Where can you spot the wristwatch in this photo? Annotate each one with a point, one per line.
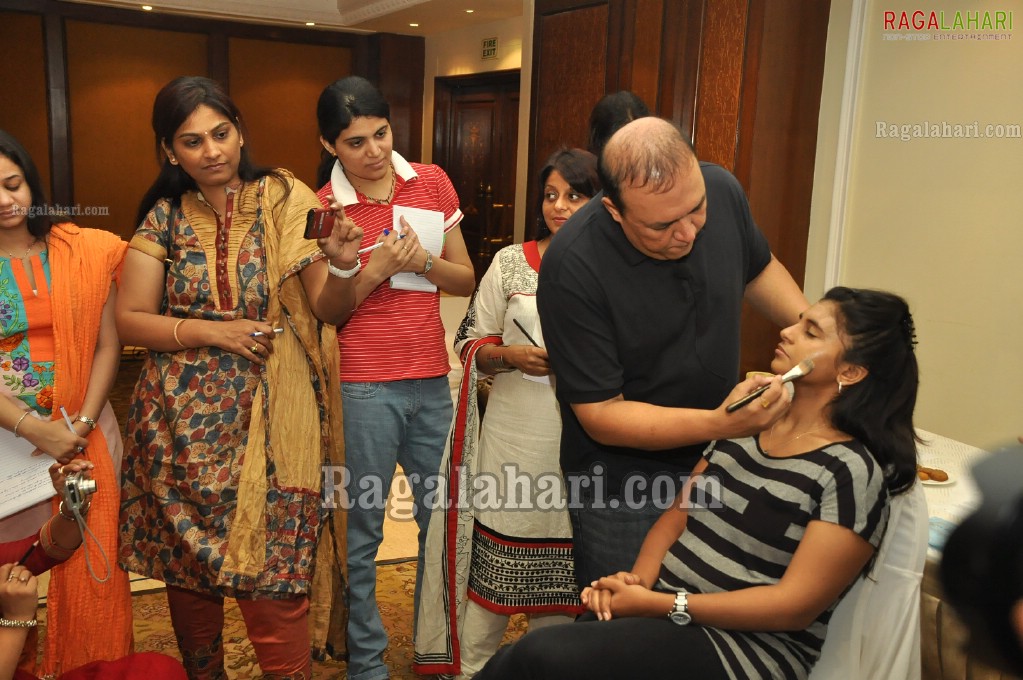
(87, 420)
(679, 614)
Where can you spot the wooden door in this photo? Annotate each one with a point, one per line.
(476, 122)
(741, 77)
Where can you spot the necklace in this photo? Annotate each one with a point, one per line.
(789, 440)
(28, 251)
(390, 194)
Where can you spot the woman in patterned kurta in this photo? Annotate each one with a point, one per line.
(232, 418)
(59, 348)
(521, 561)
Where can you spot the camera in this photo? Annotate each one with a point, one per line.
(77, 490)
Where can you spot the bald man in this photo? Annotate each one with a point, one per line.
(640, 297)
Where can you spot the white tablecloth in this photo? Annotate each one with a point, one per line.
(952, 501)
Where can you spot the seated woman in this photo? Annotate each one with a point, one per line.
(20, 562)
(793, 519)
(54, 542)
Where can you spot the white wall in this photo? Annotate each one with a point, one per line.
(935, 220)
(459, 52)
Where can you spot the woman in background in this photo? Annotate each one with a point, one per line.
(397, 401)
(611, 113)
(59, 348)
(740, 576)
(500, 562)
(232, 420)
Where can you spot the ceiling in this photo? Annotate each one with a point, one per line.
(365, 16)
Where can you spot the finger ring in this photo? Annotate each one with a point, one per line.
(23, 580)
(79, 449)
(254, 348)
(10, 578)
(765, 403)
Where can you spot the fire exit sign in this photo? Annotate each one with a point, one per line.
(490, 48)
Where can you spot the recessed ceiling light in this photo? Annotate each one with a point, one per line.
(310, 23)
(414, 25)
(148, 8)
(469, 11)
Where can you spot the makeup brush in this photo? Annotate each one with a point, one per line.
(797, 371)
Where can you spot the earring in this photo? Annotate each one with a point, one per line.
(173, 160)
(840, 387)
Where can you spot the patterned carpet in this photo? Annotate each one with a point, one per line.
(395, 583)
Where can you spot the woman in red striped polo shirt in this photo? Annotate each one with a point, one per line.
(394, 365)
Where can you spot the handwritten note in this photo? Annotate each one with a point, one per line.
(24, 479)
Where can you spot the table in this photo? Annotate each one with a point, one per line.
(943, 637)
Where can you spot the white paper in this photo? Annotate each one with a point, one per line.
(24, 478)
(429, 227)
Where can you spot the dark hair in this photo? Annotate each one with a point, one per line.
(878, 410)
(653, 153)
(579, 168)
(982, 563)
(173, 105)
(39, 221)
(340, 103)
(612, 112)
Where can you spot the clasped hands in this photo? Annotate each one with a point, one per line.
(622, 594)
(53, 437)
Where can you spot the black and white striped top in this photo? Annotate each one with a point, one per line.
(766, 505)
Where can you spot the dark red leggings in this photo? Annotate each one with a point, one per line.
(278, 630)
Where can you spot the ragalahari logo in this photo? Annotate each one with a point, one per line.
(920, 20)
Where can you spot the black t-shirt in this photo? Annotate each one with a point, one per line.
(662, 332)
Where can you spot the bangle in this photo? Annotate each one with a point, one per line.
(497, 364)
(13, 623)
(428, 265)
(50, 546)
(176, 338)
(71, 518)
(87, 420)
(18, 424)
(344, 273)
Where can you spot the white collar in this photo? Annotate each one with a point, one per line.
(344, 191)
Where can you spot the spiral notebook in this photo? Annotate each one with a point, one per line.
(24, 478)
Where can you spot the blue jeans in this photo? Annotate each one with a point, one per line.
(403, 422)
(606, 541)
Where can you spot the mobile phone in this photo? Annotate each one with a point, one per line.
(319, 223)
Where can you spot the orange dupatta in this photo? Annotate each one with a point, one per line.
(87, 620)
